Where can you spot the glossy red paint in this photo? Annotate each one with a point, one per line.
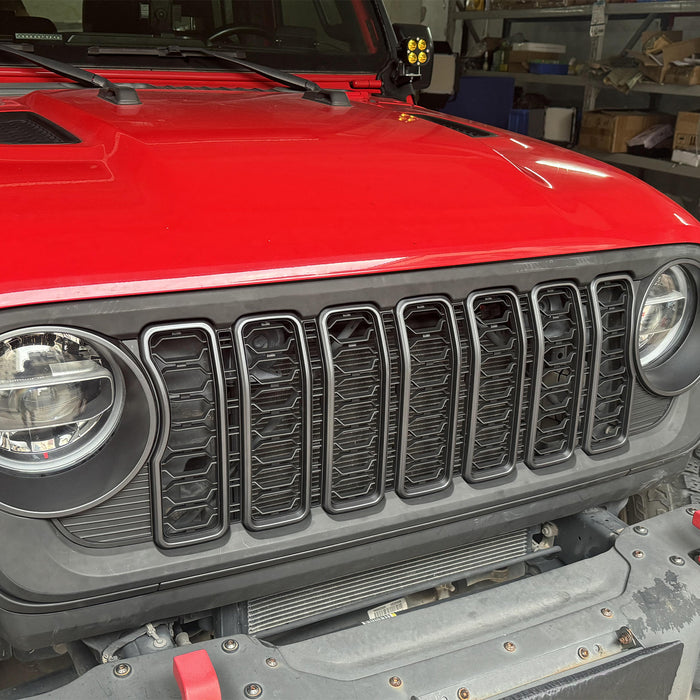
(197, 189)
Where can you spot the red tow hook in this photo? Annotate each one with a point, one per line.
(196, 676)
(696, 519)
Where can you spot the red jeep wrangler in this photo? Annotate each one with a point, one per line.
(309, 392)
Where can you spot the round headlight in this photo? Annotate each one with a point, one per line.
(60, 399)
(667, 313)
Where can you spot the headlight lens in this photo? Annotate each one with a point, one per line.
(60, 399)
(667, 313)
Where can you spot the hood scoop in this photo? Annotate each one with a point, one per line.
(455, 126)
(29, 129)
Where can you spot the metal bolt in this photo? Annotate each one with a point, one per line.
(641, 530)
(638, 554)
(272, 663)
(598, 649)
(606, 612)
(463, 694)
(678, 561)
(122, 670)
(395, 682)
(229, 645)
(583, 653)
(509, 646)
(690, 511)
(253, 690)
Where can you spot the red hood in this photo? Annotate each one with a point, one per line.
(202, 188)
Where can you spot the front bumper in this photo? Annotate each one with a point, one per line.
(551, 635)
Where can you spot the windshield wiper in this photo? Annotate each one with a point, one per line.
(311, 90)
(117, 94)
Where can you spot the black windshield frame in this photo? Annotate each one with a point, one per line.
(368, 49)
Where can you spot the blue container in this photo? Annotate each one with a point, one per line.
(518, 120)
(549, 68)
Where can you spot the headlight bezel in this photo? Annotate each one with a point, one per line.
(677, 368)
(106, 467)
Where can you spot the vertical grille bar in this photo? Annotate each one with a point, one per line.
(431, 364)
(190, 468)
(559, 351)
(356, 362)
(499, 350)
(612, 378)
(275, 393)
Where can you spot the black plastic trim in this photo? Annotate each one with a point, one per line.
(223, 490)
(597, 327)
(401, 487)
(539, 343)
(377, 495)
(248, 517)
(470, 474)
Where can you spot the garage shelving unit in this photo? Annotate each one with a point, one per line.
(645, 12)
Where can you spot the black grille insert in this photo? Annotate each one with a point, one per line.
(559, 350)
(191, 463)
(497, 384)
(357, 403)
(276, 419)
(612, 375)
(431, 364)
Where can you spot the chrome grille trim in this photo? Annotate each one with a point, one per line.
(354, 473)
(266, 430)
(204, 458)
(422, 428)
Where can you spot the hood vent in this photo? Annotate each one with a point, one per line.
(28, 129)
(455, 126)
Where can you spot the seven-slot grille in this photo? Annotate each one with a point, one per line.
(331, 411)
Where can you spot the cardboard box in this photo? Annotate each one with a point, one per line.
(687, 134)
(663, 67)
(609, 130)
(519, 61)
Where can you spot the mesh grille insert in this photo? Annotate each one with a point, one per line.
(559, 347)
(357, 403)
(276, 438)
(191, 462)
(28, 129)
(499, 354)
(431, 371)
(611, 376)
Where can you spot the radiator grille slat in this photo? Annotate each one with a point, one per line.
(191, 463)
(276, 418)
(612, 376)
(431, 358)
(357, 402)
(497, 380)
(326, 599)
(559, 347)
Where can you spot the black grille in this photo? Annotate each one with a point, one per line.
(276, 416)
(191, 464)
(611, 373)
(357, 404)
(559, 348)
(499, 354)
(431, 357)
(26, 128)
